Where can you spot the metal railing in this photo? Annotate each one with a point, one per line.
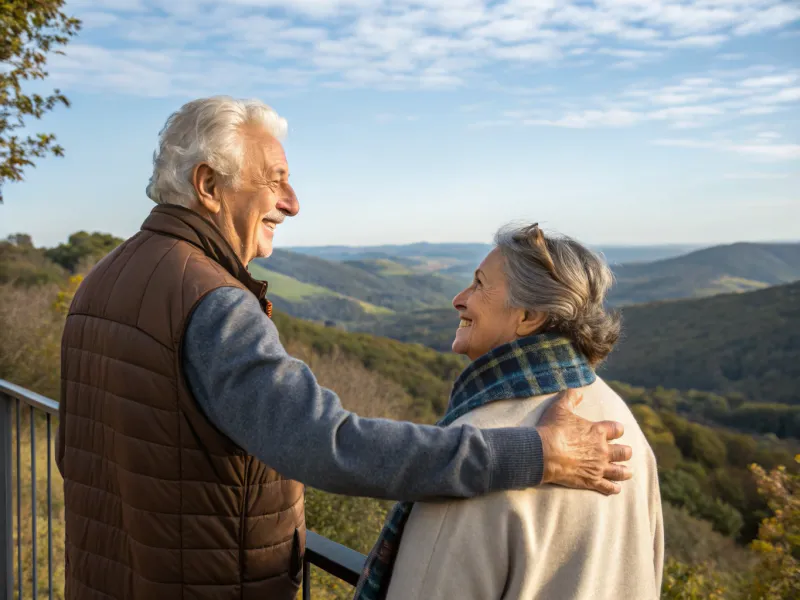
(338, 560)
(15, 397)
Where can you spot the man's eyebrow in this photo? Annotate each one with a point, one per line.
(478, 271)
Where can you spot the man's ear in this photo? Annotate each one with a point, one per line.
(530, 322)
(206, 187)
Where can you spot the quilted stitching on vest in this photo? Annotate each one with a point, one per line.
(159, 504)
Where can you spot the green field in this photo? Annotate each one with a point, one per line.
(372, 309)
(390, 267)
(292, 290)
(287, 287)
(730, 285)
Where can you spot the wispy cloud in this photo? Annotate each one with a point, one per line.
(732, 56)
(392, 117)
(687, 102)
(590, 118)
(756, 175)
(402, 44)
(491, 123)
(754, 149)
(769, 81)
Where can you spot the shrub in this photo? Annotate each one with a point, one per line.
(777, 576)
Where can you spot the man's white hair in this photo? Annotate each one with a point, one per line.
(207, 130)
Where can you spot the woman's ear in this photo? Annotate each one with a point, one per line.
(205, 183)
(530, 322)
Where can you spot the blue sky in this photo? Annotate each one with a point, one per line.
(617, 121)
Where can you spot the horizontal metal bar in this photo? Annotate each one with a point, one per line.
(28, 397)
(340, 561)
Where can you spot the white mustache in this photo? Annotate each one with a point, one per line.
(275, 216)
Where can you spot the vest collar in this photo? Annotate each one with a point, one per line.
(186, 225)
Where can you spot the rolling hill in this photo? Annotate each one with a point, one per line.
(309, 301)
(433, 327)
(388, 283)
(747, 343)
(717, 270)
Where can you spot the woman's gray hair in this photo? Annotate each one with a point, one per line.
(559, 277)
(207, 130)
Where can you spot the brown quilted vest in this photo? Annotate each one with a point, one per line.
(159, 503)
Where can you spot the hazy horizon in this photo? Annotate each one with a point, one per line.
(675, 245)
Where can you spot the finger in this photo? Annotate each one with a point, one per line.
(570, 399)
(617, 473)
(612, 429)
(608, 488)
(619, 453)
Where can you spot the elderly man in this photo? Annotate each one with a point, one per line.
(186, 431)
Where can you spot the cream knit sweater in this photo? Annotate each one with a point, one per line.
(548, 542)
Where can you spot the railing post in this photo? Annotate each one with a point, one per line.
(49, 513)
(306, 579)
(6, 502)
(34, 511)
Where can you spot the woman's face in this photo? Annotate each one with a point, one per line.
(486, 319)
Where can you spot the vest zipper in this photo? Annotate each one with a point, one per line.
(243, 523)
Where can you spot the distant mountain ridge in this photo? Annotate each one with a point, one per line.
(719, 269)
(477, 250)
(460, 259)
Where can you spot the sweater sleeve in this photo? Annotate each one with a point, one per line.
(271, 405)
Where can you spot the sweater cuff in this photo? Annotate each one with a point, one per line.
(517, 458)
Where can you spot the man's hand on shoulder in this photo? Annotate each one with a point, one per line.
(576, 451)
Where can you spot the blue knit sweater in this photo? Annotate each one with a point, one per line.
(272, 406)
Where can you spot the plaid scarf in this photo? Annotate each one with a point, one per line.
(532, 366)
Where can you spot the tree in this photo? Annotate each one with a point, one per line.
(24, 265)
(29, 31)
(681, 488)
(691, 582)
(778, 544)
(82, 250)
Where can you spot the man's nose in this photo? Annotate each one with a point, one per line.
(288, 204)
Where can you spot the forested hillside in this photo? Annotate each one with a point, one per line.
(747, 343)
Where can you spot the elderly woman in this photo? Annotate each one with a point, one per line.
(532, 323)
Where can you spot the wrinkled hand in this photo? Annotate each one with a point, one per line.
(576, 451)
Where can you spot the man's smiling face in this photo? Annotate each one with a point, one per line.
(263, 197)
(248, 209)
